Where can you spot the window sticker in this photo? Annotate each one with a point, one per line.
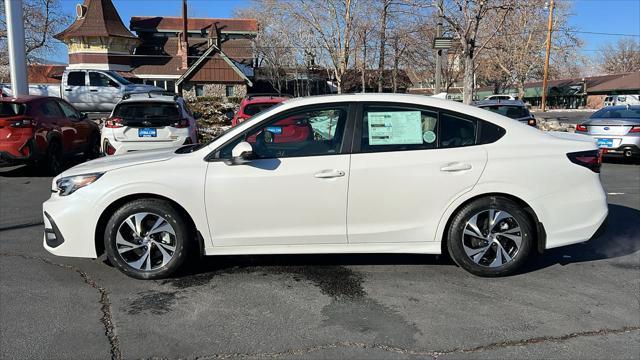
(274, 129)
(429, 137)
(395, 128)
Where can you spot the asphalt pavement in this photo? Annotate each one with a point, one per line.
(581, 301)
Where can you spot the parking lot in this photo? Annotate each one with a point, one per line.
(581, 301)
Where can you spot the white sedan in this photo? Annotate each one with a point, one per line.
(370, 173)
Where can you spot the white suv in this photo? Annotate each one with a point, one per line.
(145, 121)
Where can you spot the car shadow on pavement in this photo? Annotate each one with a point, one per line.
(621, 237)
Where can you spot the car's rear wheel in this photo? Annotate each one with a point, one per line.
(147, 239)
(490, 236)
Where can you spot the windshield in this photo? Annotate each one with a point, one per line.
(12, 109)
(617, 112)
(513, 112)
(119, 78)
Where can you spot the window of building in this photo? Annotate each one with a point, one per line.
(199, 90)
(230, 90)
(171, 86)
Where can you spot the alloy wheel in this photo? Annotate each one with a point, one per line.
(146, 241)
(492, 238)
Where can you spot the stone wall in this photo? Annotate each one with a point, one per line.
(213, 90)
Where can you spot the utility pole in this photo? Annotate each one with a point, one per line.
(545, 77)
(17, 57)
(438, 84)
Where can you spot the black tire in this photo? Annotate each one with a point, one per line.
(182, 241)
(93, 147)
(488, 260)
(53, 163)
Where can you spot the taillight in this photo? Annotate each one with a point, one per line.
(580, 127)
(532, 122)
(114, 122)
(108, 149)
(182, 123)
(23, 123)
(635, 129)
(591, 159)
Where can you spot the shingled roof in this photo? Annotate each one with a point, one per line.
(96, 18)
(174, 23)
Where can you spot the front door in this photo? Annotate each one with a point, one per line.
(103, 90)
(293, 193)
(412, 163)
(76, 90)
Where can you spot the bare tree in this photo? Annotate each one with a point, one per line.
(465, 18)
(621, 57)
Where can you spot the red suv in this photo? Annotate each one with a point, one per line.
(256, 103)
(45, 131)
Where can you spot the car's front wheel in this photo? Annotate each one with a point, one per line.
(490, 236)
(147, 239)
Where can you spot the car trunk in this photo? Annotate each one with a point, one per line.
(147, 121)
(609, 127)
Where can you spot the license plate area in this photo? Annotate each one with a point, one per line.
(605, 143)
(147, 132)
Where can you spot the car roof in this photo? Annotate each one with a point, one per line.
(498, 102)
(24, 98)
(621, 107)
(150, 97)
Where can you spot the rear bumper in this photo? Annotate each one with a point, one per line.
(179, 137)
(18, 152)
(622, 144)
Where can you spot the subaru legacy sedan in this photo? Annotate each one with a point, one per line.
(367, 173)
(616, 130)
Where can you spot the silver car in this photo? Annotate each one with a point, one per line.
(616, 130)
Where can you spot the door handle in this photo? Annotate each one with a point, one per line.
(456, 166)
(328, 174)
(67, 89)
(93, 90)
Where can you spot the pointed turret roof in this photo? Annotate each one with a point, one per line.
(96, 18)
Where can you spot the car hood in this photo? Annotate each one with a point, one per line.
(108, 163)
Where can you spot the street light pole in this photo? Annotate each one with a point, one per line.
(438, 84)
(17, 58)
(545, 77)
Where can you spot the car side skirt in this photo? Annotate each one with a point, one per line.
(427, 247)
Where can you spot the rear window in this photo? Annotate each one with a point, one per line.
(253, 109)
(147, 111)
(631, 113)
(12, 109)
(513, 112)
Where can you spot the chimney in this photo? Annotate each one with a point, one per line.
(183, 42)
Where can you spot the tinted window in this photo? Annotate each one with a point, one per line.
(68, 111)
(513, 112)
(622, 112)
(253, 109)
(49, 109)
(490, 132)
(152, 112)
(76, 78)
(98, 79)
(456, 131)
(394, 128)
(302, 133)
(12, 109)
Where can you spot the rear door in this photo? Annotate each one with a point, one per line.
(411, 163)
(76, 90)
(148, 121)
(104, 91)
(82, 129)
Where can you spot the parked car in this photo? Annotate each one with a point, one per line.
(255, 103)
(89, 90)
(616, 130)
(514, 109)
(146, 121)
(501, 97)
(44, 131)
(383, 173)
(631, 99)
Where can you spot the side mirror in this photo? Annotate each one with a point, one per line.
(230, 114)
(197, 115)
(83, 116)
(241, 154)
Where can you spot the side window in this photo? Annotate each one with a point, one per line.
(100, 79)
(49, 109)
(69, 111)
(76, 78)
(490, 133)
(456, 131)
(303, 133)
(396, 128)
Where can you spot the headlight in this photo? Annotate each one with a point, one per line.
(68, 185)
